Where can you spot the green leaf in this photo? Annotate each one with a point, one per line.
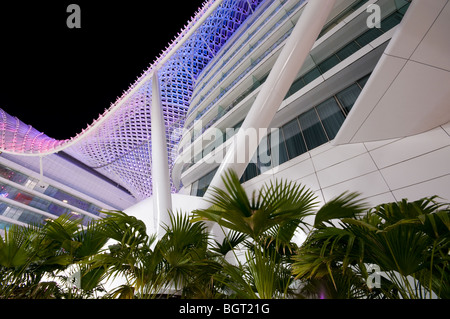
(62, 260)
(13, 248)
(277, 203)
(399, 223)
(346, 205)
(359, 223)
(70, 246)
(231, 240)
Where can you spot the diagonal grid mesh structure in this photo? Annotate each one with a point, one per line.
(118, 143)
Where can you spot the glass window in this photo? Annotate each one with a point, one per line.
(358, 4)
(348, 97)
(39, 203)
(230, 131)
(403, 5)
(293, 138)
(368, 36)
(250, 171)
(4, 225)
(50, 191)
(331, 116)
(363, 81)
(203, 183)
(329, 63)
(297, 85)
(56, 209)
(348, 50)
(208, 149)
(12, 175)
(2, 208)
(264, 156)
(8, 191)
(198, 157)
(278, 150)
(391, 21)
(311, 75)
(23, 198)
(312, 129)
(194, 188)
(186, 166)
(31, 218)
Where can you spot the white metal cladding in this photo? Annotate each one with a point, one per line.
(118, 143)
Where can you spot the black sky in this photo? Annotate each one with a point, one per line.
(58, 79)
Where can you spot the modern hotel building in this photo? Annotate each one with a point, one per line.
(339, 95)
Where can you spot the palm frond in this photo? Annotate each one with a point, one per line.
(346, 205)
(277, 203)
(230, 242)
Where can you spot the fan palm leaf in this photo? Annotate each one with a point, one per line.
(409, 241)
(276, 204)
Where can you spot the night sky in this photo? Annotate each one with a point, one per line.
(58, 79)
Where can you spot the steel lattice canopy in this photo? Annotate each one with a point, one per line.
(118, 142)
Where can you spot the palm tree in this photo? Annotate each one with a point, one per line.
(279, 208)
(407, 241)
(188, 264)
(29, 255)
(127, 256)
(177, 264)
(266, 223)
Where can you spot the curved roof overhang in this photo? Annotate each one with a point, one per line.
(118, 143)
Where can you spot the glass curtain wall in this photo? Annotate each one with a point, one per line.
(307, 131)
(27, 198)
(350, 48)
(328, 63)
(314, 127)
(321, 123)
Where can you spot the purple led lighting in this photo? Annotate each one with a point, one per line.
(19, 138)
(118, 142)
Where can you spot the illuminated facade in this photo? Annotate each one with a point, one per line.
(27, 200)
(29, 197)
(331, 121)
(118, 143)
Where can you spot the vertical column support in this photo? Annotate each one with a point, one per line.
(274, 89)
(41, 169)
(162, 199)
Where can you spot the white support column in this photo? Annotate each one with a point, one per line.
(274, 89)
(162, 199)
(41, 169)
